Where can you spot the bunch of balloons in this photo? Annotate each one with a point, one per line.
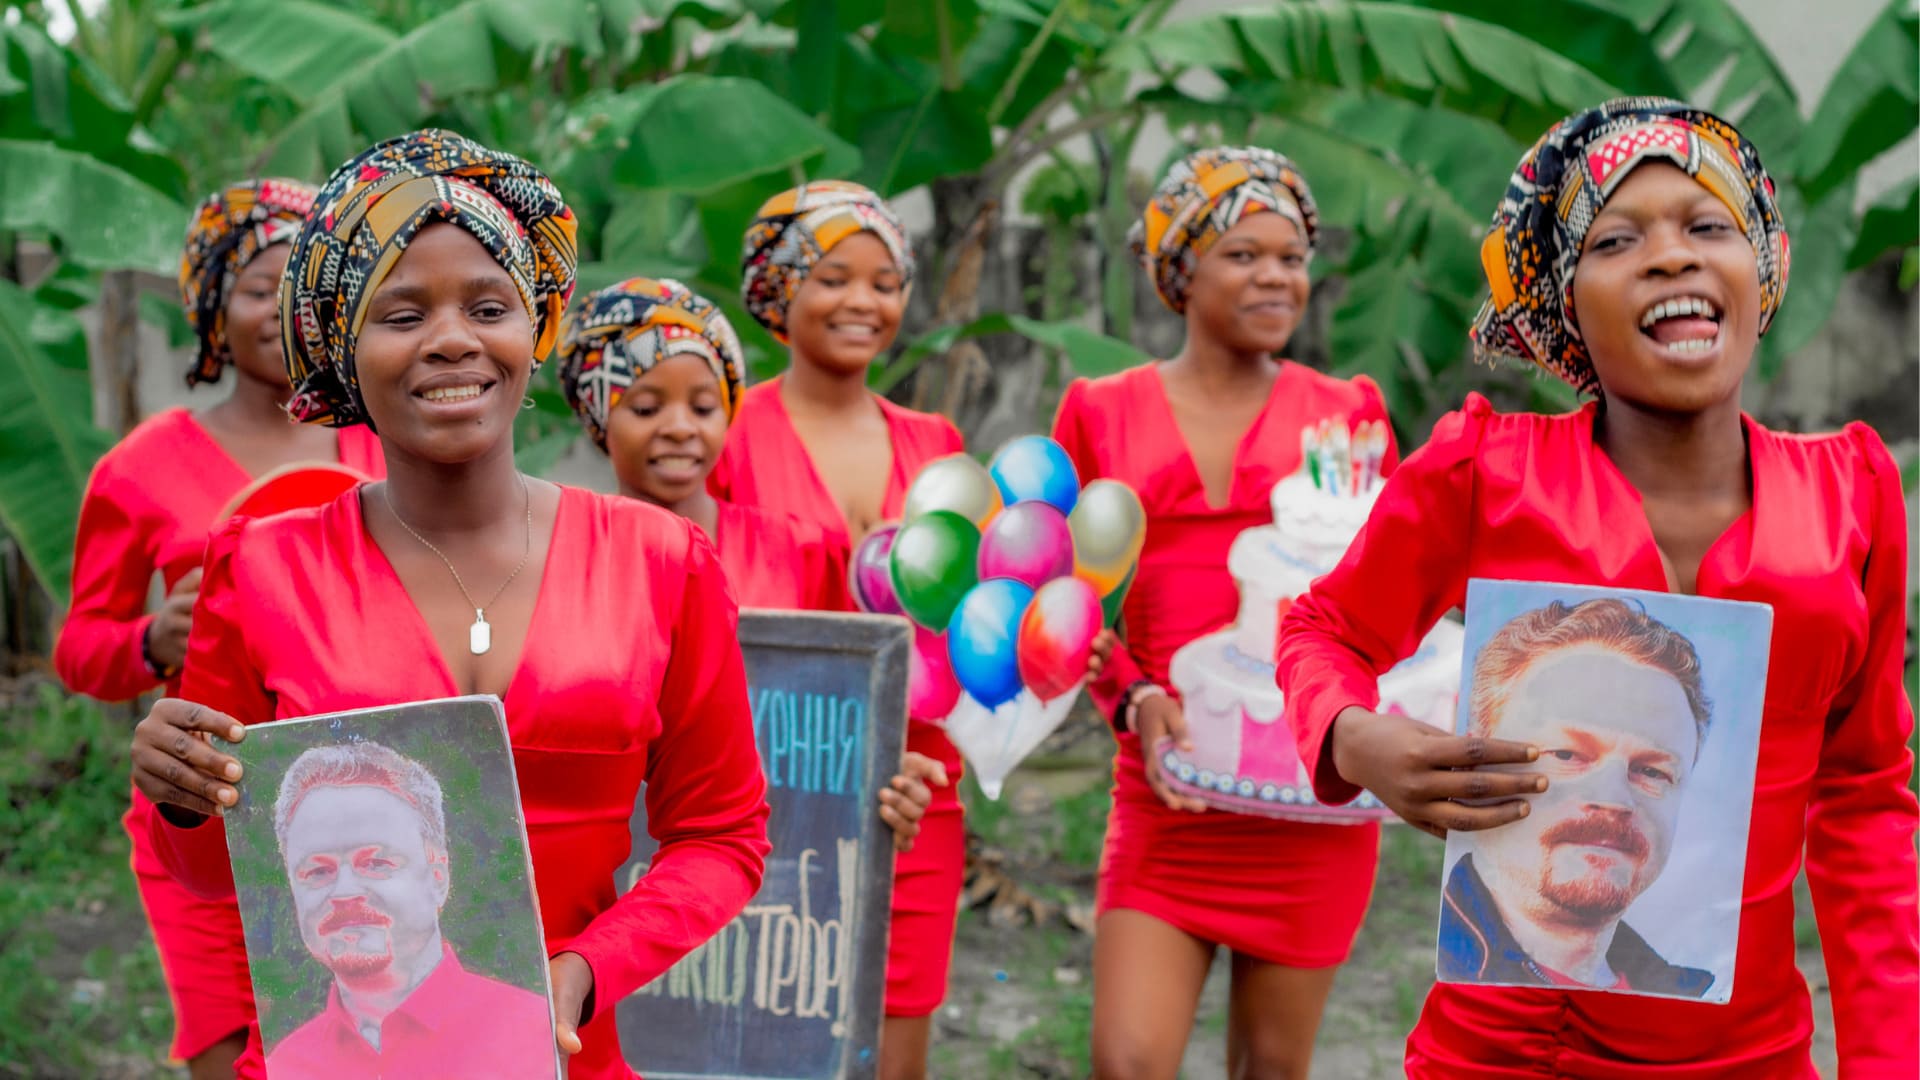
(1008, 571)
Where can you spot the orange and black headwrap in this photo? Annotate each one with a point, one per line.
(229, 228)
(1533, 249)
(367, 213)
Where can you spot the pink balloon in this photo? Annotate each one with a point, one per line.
(867, 575)
(932, 691)
(1056, 636)
(1029, 542)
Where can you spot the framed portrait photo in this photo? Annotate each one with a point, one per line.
(1625, 876)
(380, 860)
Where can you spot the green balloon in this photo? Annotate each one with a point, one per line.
(1110, 603)
(933, 564)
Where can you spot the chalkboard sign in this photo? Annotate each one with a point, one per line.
(792, 988)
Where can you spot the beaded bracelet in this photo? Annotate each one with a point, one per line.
(1126, 717)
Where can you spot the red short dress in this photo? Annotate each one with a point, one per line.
(148, 507)
(1285, 892)
(1532, 498)
(765, 465)
(631, 672)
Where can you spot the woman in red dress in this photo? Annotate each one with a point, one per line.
(149, 505)
(1203, 438)
(654, 372)
(827, 267)
(1660, 483)
(421, 294)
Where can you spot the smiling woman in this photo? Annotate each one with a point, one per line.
(1204, 437)
(826, 267)
(132, 528)
(421, 295)
(1639, 255)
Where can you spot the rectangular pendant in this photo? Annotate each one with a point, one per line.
(479, 635)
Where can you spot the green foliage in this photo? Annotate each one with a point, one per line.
(46, 441)
(668, 121)
(77, 994)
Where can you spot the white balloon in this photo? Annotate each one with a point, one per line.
(995, 740)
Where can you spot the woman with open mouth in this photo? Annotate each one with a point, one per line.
(1639, 255)
(654, 372)
(421, 295)
(132, 527)
(1203, 438)
(826, 268)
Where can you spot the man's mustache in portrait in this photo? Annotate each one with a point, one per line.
(1587, 898)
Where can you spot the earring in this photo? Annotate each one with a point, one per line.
(526, 403)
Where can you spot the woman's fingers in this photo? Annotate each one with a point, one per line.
(1475, 785)
(167, 781)
(1457, 817)
(921, 767)
(173, 761)
(1466, 751)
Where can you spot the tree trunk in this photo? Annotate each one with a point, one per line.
(116, 361)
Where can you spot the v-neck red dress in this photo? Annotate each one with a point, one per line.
(1286, 892)
(149, 504)
(631, 672)
(766, 466)
(1532, 498)
(776, 560)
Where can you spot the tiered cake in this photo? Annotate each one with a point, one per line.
(1244, 756)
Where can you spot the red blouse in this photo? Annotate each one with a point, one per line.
(1529, 497)
(777, 560)
(632, 672)
(1121, 427)
(149, 505)
(766, 466)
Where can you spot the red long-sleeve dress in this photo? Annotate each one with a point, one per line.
(765, 465)
(779, 561)
(1529, 497)
(631, 672)
(1286, 892)
(148, 507)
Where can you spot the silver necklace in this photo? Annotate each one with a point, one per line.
(480, 634)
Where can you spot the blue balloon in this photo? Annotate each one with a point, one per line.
(983, 638)
(1035, 467)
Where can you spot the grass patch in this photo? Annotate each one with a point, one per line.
(80, 984)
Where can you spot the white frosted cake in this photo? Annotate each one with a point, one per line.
(1244, 755)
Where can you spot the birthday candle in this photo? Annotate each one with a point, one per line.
(1376, 452)
(1323, 438)
(1343, 460)
(1309, 455)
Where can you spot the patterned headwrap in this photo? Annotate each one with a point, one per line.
(367, 213)
(622, 331)
(795, 228)
(228, 230)
(1534, 247)
(1205, 194)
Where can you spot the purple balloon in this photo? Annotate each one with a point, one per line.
(869, 579)
(1029, 542)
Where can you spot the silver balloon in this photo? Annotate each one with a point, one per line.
(1109, 528)
(957, 483)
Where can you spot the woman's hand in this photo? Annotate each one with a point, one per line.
(1156, 716)
(904, 801)
(572, 980)
(1433, 780)
(167, 633)
(174, 764)
(1103, 645)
